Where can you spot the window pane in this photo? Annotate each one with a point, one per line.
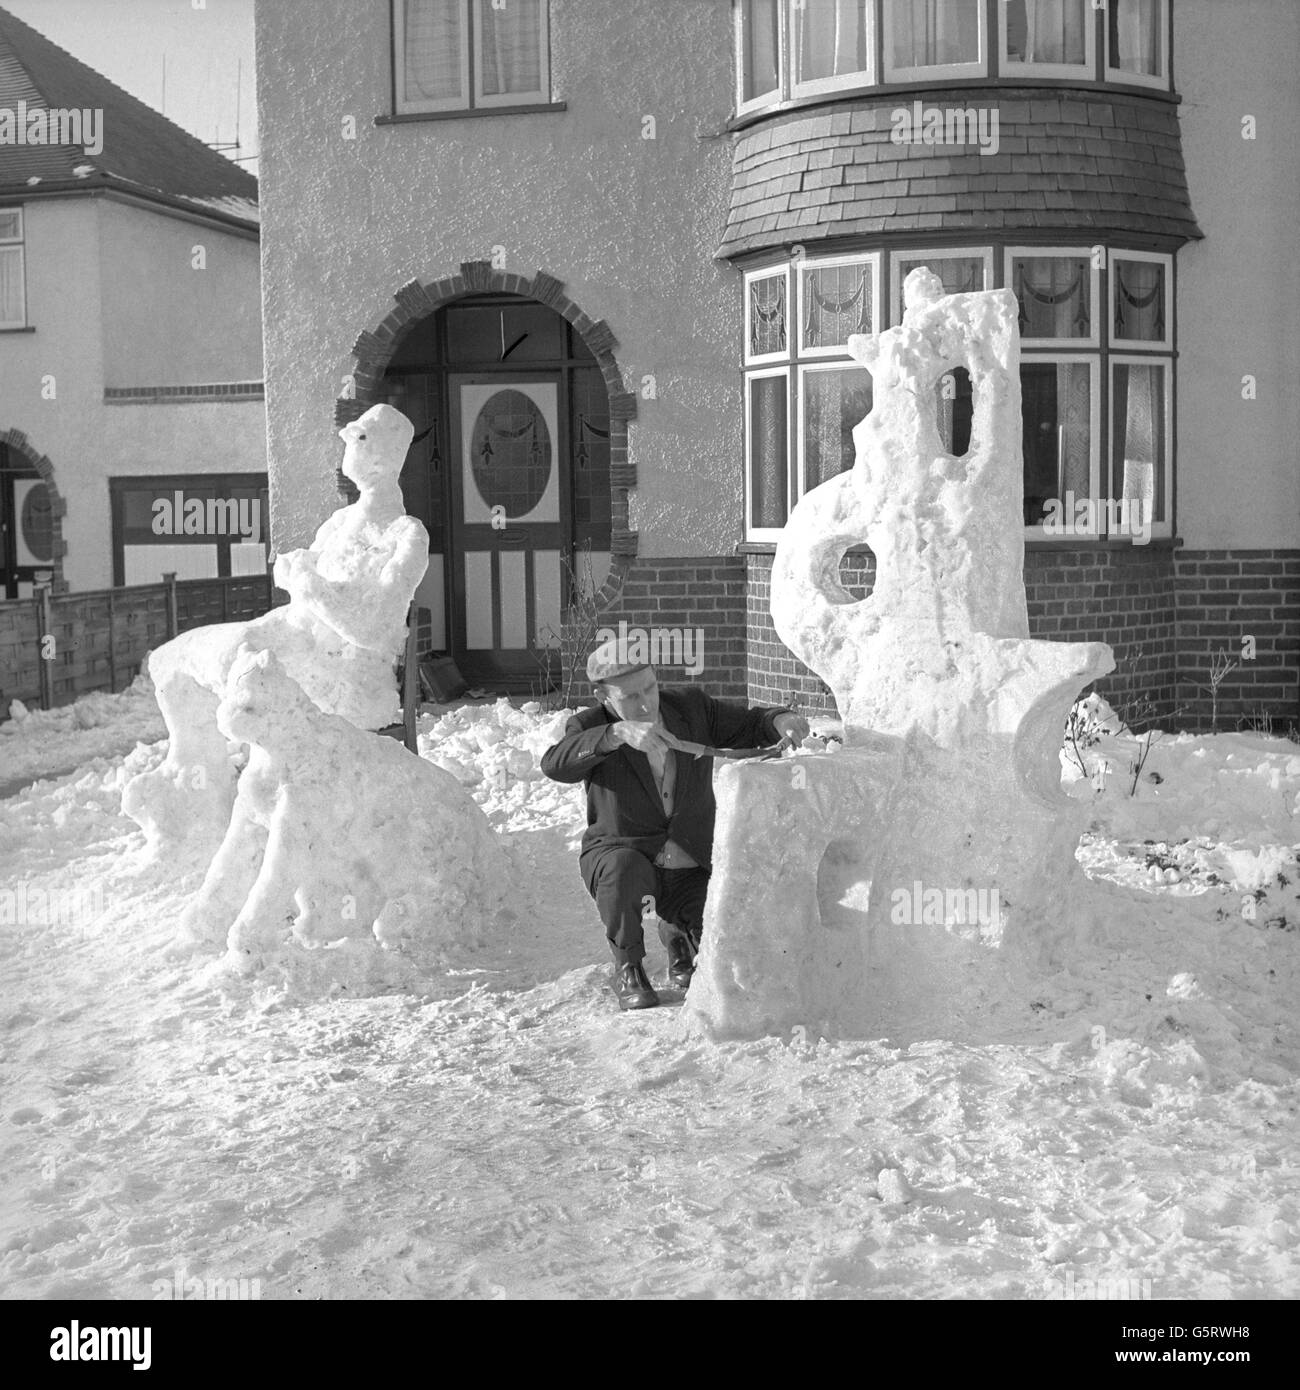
(954, 407)
(960, 274)
(10, 224)
(432, 42)
(769, 451)
(1046, 31)
(1135, 36)
(830, 38)
(1140, 300)
(760, 41)
(833, 403)
(767, 315)
(928, 33)
(11, 284)
(1053, 292)
(1056, 408)
(590, 433)
(1138, 435)
(836, 303)
(510, 48)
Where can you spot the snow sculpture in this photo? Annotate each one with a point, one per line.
(347, 861)
(338, 637)
(901, 885)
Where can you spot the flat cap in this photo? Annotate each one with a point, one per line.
(609, 661)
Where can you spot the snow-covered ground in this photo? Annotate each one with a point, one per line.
(510, 1134)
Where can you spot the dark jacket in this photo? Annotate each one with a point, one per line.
(624, 808)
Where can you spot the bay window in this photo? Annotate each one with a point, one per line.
(798, 48)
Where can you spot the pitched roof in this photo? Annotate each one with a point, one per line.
(1104, 163)
(143, 152)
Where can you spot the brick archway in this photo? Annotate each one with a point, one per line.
(374, 349)
(19, 444)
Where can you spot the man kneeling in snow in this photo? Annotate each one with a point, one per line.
(650, 809)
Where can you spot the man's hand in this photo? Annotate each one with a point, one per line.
(645, 738)
(792, 726)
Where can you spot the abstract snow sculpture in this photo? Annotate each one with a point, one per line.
(338, 637)
(905, 883)
(347, 861)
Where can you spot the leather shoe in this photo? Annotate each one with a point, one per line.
(634, 990)
(681, 956)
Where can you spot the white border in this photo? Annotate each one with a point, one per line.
(940, 72)
(871, 259)
(863, 77)
(1093, 363)
(938, 253)
(1162, 528)
(1049, 252)
(535, 98)
(1165, 344)
(765, 533)
(1137, 79)
(1085, 71)
(401, 105)
(761, 274)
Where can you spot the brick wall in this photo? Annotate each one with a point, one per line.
(1164, 613)
(696, 592)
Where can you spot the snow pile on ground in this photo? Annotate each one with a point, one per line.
(506, 1132)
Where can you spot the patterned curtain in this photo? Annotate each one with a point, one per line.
(837, 303)
(1053, 293)
(830, 38)
(510, 42)
(769, 473)
(1139, 300)
(1074, 427)
(432, 42)
(1139, 420)
(767, 315)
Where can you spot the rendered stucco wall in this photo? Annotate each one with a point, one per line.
(166, 323)
(1238, 460)
(628, 224)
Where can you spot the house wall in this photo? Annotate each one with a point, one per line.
(628, 224)
(166, 323)
(1238, 479)
(86, 263)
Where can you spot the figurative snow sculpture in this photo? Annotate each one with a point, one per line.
(338, 637)
(903, 883)
(347, 861)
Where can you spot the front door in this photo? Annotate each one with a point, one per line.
(507, 529)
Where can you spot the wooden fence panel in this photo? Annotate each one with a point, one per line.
(20, 655)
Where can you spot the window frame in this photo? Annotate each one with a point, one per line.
(767, 273)
(1093, 362)
(1162, 81)
(18, 245)
(753, 532)
(820, 86)
(1139, 345)
(472, 98)
(797, 352)
(1013, 253)
(939, 253)
(1085, 71)
(801, 370)
(774, 95)
(938, 72)
(1160, 530)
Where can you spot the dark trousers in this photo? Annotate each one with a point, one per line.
(626, 884)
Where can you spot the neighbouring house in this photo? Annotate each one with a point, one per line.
(132, 412)
(608, 257)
